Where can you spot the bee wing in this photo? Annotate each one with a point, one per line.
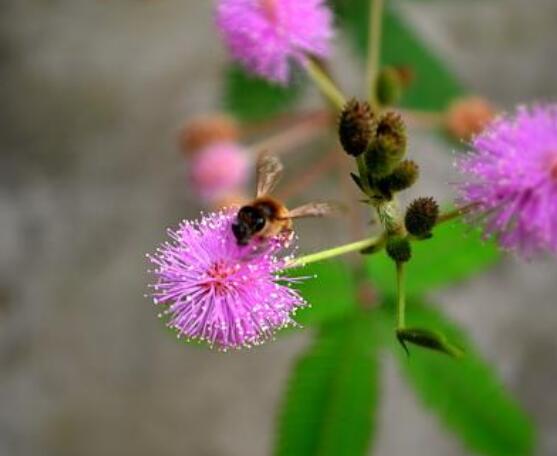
(316, 209)
(269, 171)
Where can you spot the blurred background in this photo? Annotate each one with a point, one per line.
(93, 94)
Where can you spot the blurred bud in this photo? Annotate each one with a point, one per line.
(406, 75)
(404, 176)
(398, 248)
(467, 117)
(427, 339)
(389, 146)
(218, 170)
(388, 86)
(230, 200)
(367, 296)
(356, 128)
(202, 131)
(421, 216)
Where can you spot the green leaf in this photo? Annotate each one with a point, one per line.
(466, 393)
(331, 398)
(434, 84)
(252, 98)
(329, 290)
(454, 253)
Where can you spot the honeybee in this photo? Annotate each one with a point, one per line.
(266, 216)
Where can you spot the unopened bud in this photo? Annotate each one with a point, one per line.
(389, 146)
(229, 200)
(357, 126)
(421, 216)
(406, 75)
(398, 248)
(427, 339)
(404, 176)
(388, 86)
(467, 117)
(203, 131)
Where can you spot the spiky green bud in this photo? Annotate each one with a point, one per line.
(357, 125)
(389, 146)
(404, 176)
(421, 216)
(398, 248)
(388, 86)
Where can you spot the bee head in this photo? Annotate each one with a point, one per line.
(249, 221)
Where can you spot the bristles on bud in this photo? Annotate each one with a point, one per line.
(389, 146)
(357, 125)
(421, 216)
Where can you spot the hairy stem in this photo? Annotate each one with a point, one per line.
(455, 213)
(377, 241)
(325, 84)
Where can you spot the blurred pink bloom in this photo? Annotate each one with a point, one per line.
(216, 291)
(513, 179)
(219, 170)
(266, 36)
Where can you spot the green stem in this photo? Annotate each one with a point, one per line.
(401, 303)
(325, 84)
(337, 251)
(374, 49)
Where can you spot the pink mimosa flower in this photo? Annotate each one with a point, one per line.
(512, 179)
(266, 36)
(216, 291)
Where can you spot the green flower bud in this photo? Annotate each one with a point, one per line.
(389, 146)
(357, 125)
(427, 339)
(398, 248)
(421, 217)
(404, 176)
(388, 86)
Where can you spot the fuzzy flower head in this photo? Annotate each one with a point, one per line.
(266, 36)
(219, 169)
(513, 179)
(216, 291)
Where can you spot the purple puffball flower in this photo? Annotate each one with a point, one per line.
(219, 169)
(216, 291)
(266, 36)
(512, 174)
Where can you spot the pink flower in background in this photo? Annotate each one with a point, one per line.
(217, 291)
(513, 179)
(267, 35)
(219, 169)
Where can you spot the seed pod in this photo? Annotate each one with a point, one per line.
(398, 248)
(389, 146)
(421, 216)
(357, 125)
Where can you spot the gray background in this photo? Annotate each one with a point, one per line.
(92, 94)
